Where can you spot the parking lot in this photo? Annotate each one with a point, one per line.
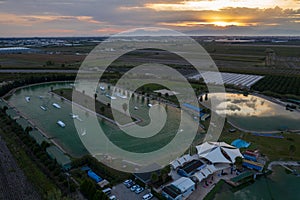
(124, 193)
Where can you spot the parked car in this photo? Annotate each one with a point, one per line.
(147, 196)
(133, 188)
(107, 191)
(127, 181)
(139, 190)
(130, 184)
(113, 197)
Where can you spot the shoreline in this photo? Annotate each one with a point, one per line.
(283, 163)
(34, 126)
(271, 99)
(263, 132)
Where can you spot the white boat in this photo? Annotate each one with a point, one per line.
(43, 108)
(83, 132)
(56, 105)
(61, 124)
(102, 88)
(121, 96)
(136, 108)
(111, 97)
(27, 99)
(75, 117)
(150, 105)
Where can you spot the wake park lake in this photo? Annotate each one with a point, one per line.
(69, 139)
(255, 114)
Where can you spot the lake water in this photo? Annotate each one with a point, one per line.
(254, 113)
(71, 140)
(277, 186)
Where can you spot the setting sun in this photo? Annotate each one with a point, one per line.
(220, 4)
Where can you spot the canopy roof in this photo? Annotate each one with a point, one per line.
(218, 152)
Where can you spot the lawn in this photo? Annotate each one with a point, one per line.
(273, 148)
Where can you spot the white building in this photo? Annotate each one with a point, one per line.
(179, 189)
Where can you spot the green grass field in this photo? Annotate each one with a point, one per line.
(273, 148)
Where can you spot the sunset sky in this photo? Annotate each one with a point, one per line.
(104, 17)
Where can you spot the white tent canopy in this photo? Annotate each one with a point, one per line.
(212, 151)
(233, 153)
(205, 147)
(215, 156)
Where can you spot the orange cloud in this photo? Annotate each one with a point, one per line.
(109, 30)
(192, 5)
(28, 20)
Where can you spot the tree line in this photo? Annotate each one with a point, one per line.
(36, 152)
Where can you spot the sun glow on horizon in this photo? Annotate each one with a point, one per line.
(221, 4)
(216, 23)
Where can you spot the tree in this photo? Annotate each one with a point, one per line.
(154, 177)
(49, 62)
(206, 96)
(165, 173)
(28, 129)
(102, 109)
(159, 94)
(125, 107)
(167, 95)
(201, 99)
(95, 95)
(238, 162)
(292, 149)
(98, 195)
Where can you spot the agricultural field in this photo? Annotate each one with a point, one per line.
(237, 58)
(279, 84)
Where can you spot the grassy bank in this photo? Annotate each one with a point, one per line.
(273, 148)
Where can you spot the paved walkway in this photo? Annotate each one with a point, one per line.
(284, 163)
(202, 190)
